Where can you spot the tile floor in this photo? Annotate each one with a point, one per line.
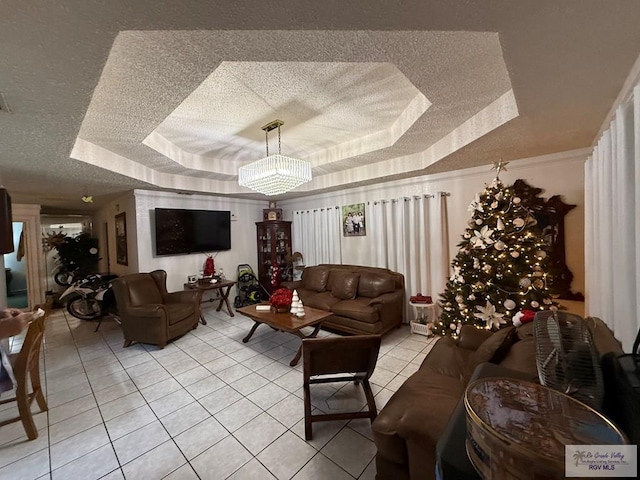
(206, 406)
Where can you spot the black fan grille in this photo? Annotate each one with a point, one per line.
(566, 358)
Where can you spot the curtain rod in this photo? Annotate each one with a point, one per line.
(376, 202)
(414, 197)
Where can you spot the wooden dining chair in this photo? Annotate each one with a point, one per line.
(26, 369)
(339, 359)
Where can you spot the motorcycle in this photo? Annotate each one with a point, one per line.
(91, 297)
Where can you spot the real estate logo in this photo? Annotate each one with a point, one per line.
(611, 461)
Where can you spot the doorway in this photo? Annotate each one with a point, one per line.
(15, 269)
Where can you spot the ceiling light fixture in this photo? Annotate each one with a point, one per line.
(274, 174)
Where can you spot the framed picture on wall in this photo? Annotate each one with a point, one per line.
(353, 220)
(121, 239)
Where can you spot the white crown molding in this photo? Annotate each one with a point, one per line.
(426, 181)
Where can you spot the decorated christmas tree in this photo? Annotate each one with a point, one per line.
(501, 268)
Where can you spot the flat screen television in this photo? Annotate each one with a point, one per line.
(190, 231)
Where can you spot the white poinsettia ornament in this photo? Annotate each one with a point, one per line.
(457, 277)
(481, 238)
(489, 315)
(476, 204)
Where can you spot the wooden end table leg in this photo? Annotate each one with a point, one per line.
(251, 332)
(202, 320)
(225, 298)
(313, 334)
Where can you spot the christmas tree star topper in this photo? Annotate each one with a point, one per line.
(499, 166)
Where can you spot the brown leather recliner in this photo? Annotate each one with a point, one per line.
(150, 314)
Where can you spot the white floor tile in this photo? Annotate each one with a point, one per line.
(140, 442)
(199, 438)
(220, 364)
(170, 403)
(249, 383)
(268, 396)
(115, 391)
(74, 425)
(236, 415)
(184, 418)
(156, 463)
(351, 451)
(160, 389)
(220, 399)
(321, 467)
(129, 422)
(288, 411)
(252, 470)
(204, 387)
(284, 457)
(185, 472)
(32, 466)
(221, 460)
(259, 433)
(64, 396)
(192, 376)
(231, 374)
(89, 467)
(121, 405)
(72, 408)
(77, 446)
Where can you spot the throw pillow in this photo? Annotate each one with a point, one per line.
(494, 348)
(345, 285)
(315, 278)
(375, 284)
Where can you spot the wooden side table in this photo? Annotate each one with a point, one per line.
(418, 325)
(219, 287)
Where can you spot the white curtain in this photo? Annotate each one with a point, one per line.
(316, 234)
(612, 229)
(411, 237)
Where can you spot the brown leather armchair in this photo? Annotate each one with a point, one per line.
(150, 314)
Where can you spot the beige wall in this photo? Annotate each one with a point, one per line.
(557, 174)
(139, 206)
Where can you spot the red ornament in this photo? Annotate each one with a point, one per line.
(209, 267)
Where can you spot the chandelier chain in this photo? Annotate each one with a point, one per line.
(266, 140)
(279, 145)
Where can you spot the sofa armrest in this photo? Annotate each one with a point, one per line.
(391, 297)
(389, 306)
(186, 296)
(292, 285)
(408, 427)
(151, 311)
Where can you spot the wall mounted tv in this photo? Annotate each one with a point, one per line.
(191, 231)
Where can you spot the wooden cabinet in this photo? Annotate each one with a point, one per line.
(274, 246)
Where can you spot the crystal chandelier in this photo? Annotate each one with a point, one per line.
(274, 174)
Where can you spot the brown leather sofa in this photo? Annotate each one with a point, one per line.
(409, 426)
(363, 300)
(149, 314)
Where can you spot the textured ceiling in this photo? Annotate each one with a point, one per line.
(148, 95)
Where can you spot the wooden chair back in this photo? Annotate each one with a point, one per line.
(339, 359)
(26, 369)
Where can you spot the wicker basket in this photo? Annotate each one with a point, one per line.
(421, 329)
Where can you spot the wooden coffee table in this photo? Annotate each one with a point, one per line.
(285, 322)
